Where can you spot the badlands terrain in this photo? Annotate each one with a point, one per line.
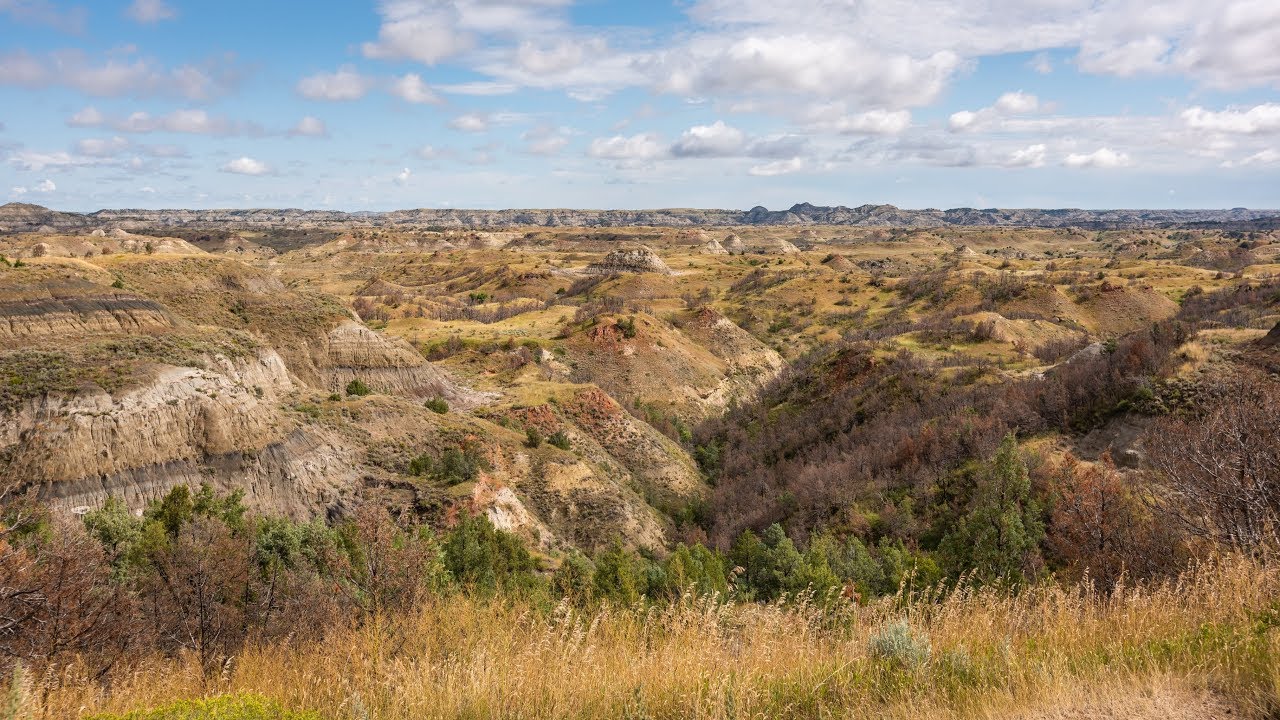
(136, 360)
(605, 385)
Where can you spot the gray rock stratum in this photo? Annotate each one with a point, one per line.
(20, 217)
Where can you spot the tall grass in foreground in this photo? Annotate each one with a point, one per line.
(973, 653)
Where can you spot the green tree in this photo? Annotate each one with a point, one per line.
(485, 559)
(999, 537)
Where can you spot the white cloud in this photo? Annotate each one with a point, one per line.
(403, 176)
(1017, 103)
(715, 140)
(45, 186)
(426, 32)
(310, 127)
(1267, 156)
(1007, 105)
(345, 84)
(1100, 158)
(102, 147)
(471, 122)
(482, 89)
(831, 66)
(777, 167)
(412, 89)
(1031, 156)
(545, 140)
(646, 146)
(962, 120)
(33, 161)
(1041, 63)
(43, 12)
(150, 11)
(1263, 118)
(88, 117)
(246, 166)
(119, 75)
(874, 122)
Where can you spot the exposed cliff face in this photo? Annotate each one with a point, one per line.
(221, 424)
(386, 365)
(26, 320)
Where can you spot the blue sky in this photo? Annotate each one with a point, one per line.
(607, 104)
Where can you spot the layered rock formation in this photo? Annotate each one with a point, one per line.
(635, 260)
(16, 217)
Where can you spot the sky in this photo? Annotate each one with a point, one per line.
(388, 104)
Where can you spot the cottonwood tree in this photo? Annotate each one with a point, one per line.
(57, 601)
(1101, 528)
(1219, 472)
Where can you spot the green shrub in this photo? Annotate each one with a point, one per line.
(484, 559)
(455, 466)
(559, 439)
(437, 405)
(532, 438)
(627, 326)
(897, 643)
(226, 707)
(118, 283)
(358, 388)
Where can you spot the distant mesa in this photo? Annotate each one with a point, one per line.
(27, 218)
(635, 260)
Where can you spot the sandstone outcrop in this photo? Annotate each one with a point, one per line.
(635, 260)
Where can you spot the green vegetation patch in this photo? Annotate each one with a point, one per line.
(111, 365)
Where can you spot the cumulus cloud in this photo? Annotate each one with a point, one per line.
(428, 31)
(402, 177)
(1031, 156)
(1267, 156)
(646, 146)
(43, 12)
(102, 147)
(45, 186)
(807, 65)
(118, 75)
(874, 122)
(425, 32)
(246, 166)
(545, 140)
(1263, 118)
(1100, 158)
(34, 161)
(1007, 105)
(186, 121)
(343, 85)
(777, 167)
(88, 117)
(715, 140)
(150, 11)
(309, 127)
(412, 89)
(470, 122)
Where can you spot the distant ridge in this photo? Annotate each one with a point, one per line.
(22, 217)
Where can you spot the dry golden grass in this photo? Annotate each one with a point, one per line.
(1205, 646)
